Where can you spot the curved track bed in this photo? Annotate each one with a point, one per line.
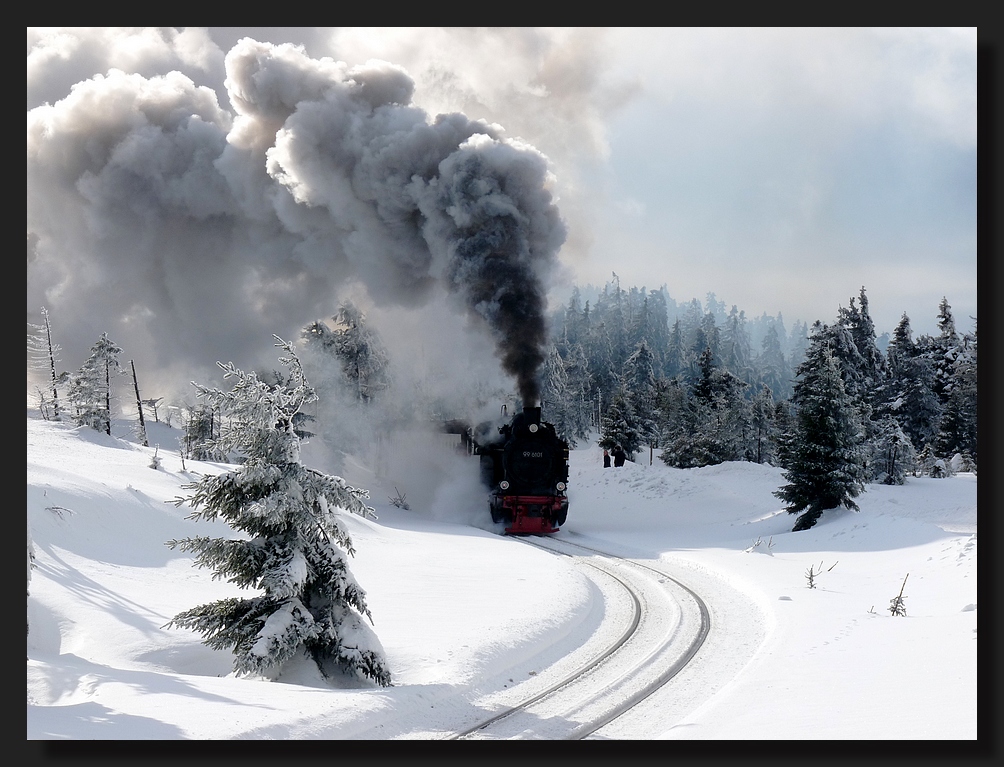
(662, 625)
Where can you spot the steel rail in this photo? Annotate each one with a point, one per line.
(636, 614)
(695, 645)
(632, 700)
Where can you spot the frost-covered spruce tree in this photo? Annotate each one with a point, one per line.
(296, 548)
(823, 457)
(619, 425)
(908, 389)
(893, 454)
(763, 426)
(357, 347)
(578, 408)
(200, 426)
(957, 431)
(640, 387)
(558, 399)
(90, 390)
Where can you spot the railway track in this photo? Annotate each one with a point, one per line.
(664, 625)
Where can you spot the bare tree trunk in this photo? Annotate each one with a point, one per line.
(108, 399)
(139, 406)
(52, 367)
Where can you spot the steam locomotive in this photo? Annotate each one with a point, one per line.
(524, 466)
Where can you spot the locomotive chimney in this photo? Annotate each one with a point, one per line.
(532, 413)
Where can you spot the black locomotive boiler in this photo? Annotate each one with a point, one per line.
(524, 466)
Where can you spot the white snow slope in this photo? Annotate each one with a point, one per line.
(460, 609)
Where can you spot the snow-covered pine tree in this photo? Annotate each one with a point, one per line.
(674, 410)
(619, 425)
(676, 354)
(580, 405)
(685, 443)
(771, 366)
(823, 458)
(655, 328)
(930, 464)
(893, 455)
(640, 387)
(711, 335)
(942, 351)
(555, 396)
(564, 394)
(351, 366)
(710, 424)
(763, 426)
(691, 325)
(201, 424)
(736, 354)
(864, 370)
(907, 392)
(90, 387)
(724, 424)
(296, 548)
(958, 427)
(357, 347)
(574, 323)
(870, 362)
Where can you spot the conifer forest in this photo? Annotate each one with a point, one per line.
(695, 385)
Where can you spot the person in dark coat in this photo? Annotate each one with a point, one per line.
(619, 456)
(606, 458)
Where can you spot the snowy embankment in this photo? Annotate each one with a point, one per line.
(461, 610)
(835, 663)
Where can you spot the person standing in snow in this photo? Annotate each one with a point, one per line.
(606, 458)
(619, 455)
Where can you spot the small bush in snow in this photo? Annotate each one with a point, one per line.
(897, 604)
(758, 542)
(811, 574)
(399, 500)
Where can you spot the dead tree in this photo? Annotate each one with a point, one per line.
(139, 406)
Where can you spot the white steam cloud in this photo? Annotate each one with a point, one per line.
(191, 233)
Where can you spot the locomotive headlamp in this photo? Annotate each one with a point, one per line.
(533, 427)
(504, 484)
(560, 485)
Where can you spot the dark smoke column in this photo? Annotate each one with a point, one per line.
(506, 234)
(402, 201)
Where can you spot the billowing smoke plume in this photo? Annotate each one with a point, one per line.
(146, 189)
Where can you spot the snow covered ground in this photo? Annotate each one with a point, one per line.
(461, 610)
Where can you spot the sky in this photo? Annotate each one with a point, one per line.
(471, 621)
(191, 211)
